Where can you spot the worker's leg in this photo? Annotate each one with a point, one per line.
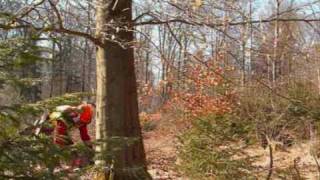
(84, 134)
(86, 157)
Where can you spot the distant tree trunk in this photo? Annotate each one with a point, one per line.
(243, 58)
(90, 49)
(84, 66)
(147, 67)
(60, 69)
(31, 93)
(251, 38)
(52, 69)
(117, 106)
(276, 41)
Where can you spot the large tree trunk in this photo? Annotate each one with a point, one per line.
(117, 106)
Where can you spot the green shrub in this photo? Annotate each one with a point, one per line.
(149, 126)
(24, 155)
(287, 111)
(213, 148)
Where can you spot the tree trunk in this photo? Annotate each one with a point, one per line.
(275, 61)
(117, 106)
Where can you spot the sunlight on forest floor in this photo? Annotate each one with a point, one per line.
(161, 149)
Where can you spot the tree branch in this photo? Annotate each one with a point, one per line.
(214, 25)
(60, 22)
(63, 30)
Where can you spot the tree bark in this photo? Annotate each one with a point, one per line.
(117, 119)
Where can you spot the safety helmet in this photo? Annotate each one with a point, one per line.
(86, 113)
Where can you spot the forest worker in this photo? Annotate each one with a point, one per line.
(66, 117)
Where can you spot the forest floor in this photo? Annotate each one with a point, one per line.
(161, 149)
(295, 162)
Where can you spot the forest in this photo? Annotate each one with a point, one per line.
(159, 89)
